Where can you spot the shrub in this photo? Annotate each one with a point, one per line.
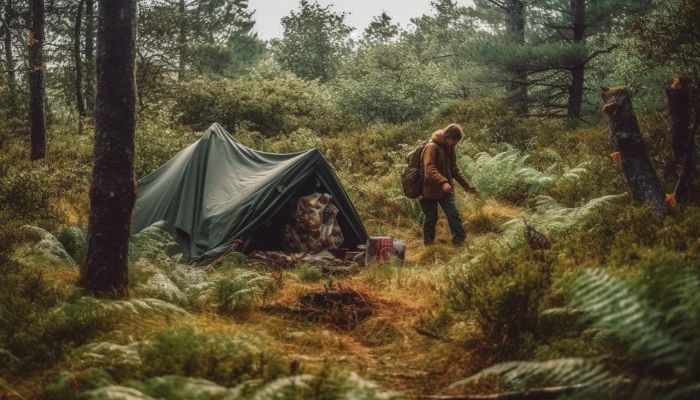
(309, 273)
(74, 240)
(489, 121)
(652, 323)
(224, 359)
(387, 83)
(157, 141)
(240, 291)
(502, 295)
(271, 105)
(508, 176)
(25, 194)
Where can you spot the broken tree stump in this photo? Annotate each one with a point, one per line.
(627, 140)
(678, 97)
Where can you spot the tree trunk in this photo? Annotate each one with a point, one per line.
(36, 81)
(78, 56)
(515, 30)
(9, 57)
(678, 96)
(631, 150)
(181, 41)
(90, 56)
(578, 12)
(112, 195)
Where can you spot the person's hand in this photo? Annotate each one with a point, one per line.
(446, 187)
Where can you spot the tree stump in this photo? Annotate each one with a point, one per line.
(678, 97)
(630, 149)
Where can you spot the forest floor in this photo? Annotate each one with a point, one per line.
(379, 331)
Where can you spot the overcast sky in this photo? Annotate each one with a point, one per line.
(269, 12)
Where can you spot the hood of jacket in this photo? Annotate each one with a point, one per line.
(438, 137)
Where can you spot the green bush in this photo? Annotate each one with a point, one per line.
(649, 336)
(26, 194)
(240, 291)
(387, 83)
(26, 297)
(224, 359)
(157, 141)
(309, 273)
(74, 240)
(489, 121)
(271, 105)
(502, 295)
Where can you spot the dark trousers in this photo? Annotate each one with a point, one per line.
(430, 217)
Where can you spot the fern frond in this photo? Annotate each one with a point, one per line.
(242, 291)
(110, 356)
(608, 303)
(283, 387)
(358, 388)
(115, 392)
(182, 387)
(550, 218)
(566, 371)
(100, 309)
(46, 244)
(152, 243)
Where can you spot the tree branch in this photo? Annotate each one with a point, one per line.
(599, 52)
(436, 57)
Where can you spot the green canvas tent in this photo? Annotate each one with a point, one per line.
(217, 191)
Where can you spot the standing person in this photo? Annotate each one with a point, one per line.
(440, 168)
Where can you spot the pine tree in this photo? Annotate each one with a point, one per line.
(8, 19)
(78, 59)
(513, 28)
(315, 39)
(380, 30)
(112, 194)
(545, 64)
(36, 81)
(89, 33)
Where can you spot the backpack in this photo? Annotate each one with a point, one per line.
(412, 176)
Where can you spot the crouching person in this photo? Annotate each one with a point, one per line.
(440, 169)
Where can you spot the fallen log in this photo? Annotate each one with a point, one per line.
(630, 149)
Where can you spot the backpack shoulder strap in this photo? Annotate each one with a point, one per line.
(425, 146)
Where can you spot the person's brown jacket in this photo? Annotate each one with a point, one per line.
(440, 166)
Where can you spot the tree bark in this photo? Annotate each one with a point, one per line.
(90, 56)
(36, 81)
(112, 194)
(631, 150)
(9, 56)
(78, 56)
(515, 30)
(578, 12)
(678, 96)
(181, 41)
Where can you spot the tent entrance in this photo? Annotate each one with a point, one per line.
(270, 235)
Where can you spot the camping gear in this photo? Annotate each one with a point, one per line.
(216, 191)
(384, 249)
(313, 226)
(412, 176)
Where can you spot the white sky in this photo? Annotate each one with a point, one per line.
(269, 12)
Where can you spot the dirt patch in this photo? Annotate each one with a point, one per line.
(340, 306)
